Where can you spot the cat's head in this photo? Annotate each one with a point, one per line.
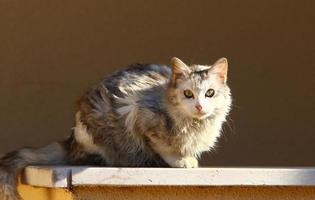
(199, 91)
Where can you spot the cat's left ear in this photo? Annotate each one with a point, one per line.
(179, 69)
(220, 67)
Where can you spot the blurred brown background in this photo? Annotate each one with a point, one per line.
(51, 51)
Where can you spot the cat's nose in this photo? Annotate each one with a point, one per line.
(198, 107)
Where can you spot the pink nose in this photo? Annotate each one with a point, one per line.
(198, 107)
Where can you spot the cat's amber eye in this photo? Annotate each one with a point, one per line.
(188, 93)
(210, 93)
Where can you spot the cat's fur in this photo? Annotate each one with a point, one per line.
(137, 117)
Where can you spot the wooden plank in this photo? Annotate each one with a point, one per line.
(47, 176)
(43, 193)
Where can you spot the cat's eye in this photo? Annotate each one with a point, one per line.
(188, 93)
(210, 93)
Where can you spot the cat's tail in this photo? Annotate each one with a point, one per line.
(14, 162)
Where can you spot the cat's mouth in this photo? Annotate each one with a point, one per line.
(200, 114)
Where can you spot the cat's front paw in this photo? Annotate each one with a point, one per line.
(187, 162)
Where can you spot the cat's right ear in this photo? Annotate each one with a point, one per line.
(179, 69)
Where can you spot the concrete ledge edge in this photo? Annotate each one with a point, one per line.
(74, 176)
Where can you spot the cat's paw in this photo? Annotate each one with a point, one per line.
(187, 162)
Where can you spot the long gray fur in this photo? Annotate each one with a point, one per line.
(136, 117)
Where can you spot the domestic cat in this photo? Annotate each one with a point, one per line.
(143, 116)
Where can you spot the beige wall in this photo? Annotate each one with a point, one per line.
(51, 51)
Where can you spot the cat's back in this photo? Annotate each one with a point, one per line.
(137, 78)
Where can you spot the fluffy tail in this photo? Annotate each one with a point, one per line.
(14, 162)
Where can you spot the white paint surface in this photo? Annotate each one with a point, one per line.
(98, 176)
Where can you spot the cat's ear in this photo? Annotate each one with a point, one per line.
(220, 67)
(179, 69)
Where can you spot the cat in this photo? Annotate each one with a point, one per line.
(143, 116)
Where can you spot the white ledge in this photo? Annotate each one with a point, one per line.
(68, 176)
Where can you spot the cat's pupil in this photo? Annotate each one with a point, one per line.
(188, 94)
(210, 93)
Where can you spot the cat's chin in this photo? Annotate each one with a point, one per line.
(200, 116)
